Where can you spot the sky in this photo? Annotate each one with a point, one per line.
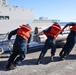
(64, 10)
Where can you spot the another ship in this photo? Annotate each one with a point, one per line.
(13, 16)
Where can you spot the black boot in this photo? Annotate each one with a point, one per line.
(10, 66)
(52, 58)
(61, 53)
(17, 62)
(62, 58)
(39, 61)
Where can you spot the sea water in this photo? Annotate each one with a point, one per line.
(63, 23)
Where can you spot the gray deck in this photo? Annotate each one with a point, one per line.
(29, 67)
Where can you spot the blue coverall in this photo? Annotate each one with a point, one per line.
(70, 42)
(49, 43)
(19, 48)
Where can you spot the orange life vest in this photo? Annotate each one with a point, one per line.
(73, 28)
(24, 31)
(54, 31)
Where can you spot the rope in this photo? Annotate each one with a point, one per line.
(10, 47)
(4, 38)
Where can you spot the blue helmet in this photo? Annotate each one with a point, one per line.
(28, 25)
(55, 22)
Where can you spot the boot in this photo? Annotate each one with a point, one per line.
(17, 62)
(7, 66)
(39, 61)
(10, 66)
(61, 58)
(52, 58)
(61, 53)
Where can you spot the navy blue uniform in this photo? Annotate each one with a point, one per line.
(49, 43)
(19, 48)
(70, 42)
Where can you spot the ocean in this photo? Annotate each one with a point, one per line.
(63, 23)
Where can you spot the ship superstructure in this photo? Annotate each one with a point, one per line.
(13, 16)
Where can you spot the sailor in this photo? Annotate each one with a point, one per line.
(36, 38)
(51, 33)
(23, 35)
(70, 42)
